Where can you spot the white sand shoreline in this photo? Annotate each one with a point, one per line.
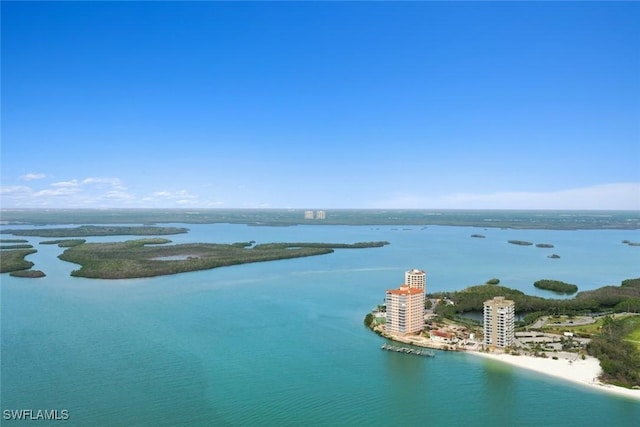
(584, 372)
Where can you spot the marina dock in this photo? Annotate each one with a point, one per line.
(408, 350)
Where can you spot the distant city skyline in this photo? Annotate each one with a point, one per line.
(321, 105)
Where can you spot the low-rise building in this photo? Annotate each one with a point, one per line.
(443, 337)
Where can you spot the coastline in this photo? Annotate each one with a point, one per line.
(578, 371)
(584, 372)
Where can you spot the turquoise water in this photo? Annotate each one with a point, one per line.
(282, 343)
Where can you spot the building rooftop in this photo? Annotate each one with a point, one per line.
(499, 301)
(405, 290)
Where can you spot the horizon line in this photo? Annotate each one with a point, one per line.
(316, 209)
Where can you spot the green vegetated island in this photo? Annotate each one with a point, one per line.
(8, 244)
(64, 243)
(13, 260)
(14, 251)
(151, 257)
(556, 286)
(525, 243)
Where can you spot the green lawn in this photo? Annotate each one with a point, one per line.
(632, 321)
(590, 329)
(634, 336)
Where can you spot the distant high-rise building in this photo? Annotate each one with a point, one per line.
(499, 321)
(416, 279)
(405, 310)
(316, 215)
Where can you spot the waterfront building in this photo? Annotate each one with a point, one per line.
(308, 214)
(321, 215)
(499, 321)
(416, 279)
(405, 310)
(443, 337)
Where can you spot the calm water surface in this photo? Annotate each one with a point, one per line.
(282, 343)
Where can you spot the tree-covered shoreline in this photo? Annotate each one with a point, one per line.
(98, 230)
(619, 358)
(514, 219)
(153, 257)
(14, 260)
(622, 298)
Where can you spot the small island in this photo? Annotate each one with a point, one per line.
(544, 245)
(520, 242)
(31, 274)
(556, 286)
(15, 246)
(478, 236)
(64, 243)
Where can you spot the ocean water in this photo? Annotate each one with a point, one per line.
(283, 343)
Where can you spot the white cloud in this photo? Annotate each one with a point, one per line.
(32, 176)
(88, 192)
(104, 182)
(166, 198)
(111, 192)
(55, 192)
(616, 196)
(18, 196)
(118, 195)
(72, 183)
(160, 194)
(175, 195)
(15, 189)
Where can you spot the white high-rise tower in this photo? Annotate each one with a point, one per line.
(416, 279)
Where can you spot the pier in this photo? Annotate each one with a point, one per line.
(408, 350)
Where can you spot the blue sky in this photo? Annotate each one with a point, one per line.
(531, 105)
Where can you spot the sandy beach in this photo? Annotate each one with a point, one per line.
(568, 366)
(576, 370)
